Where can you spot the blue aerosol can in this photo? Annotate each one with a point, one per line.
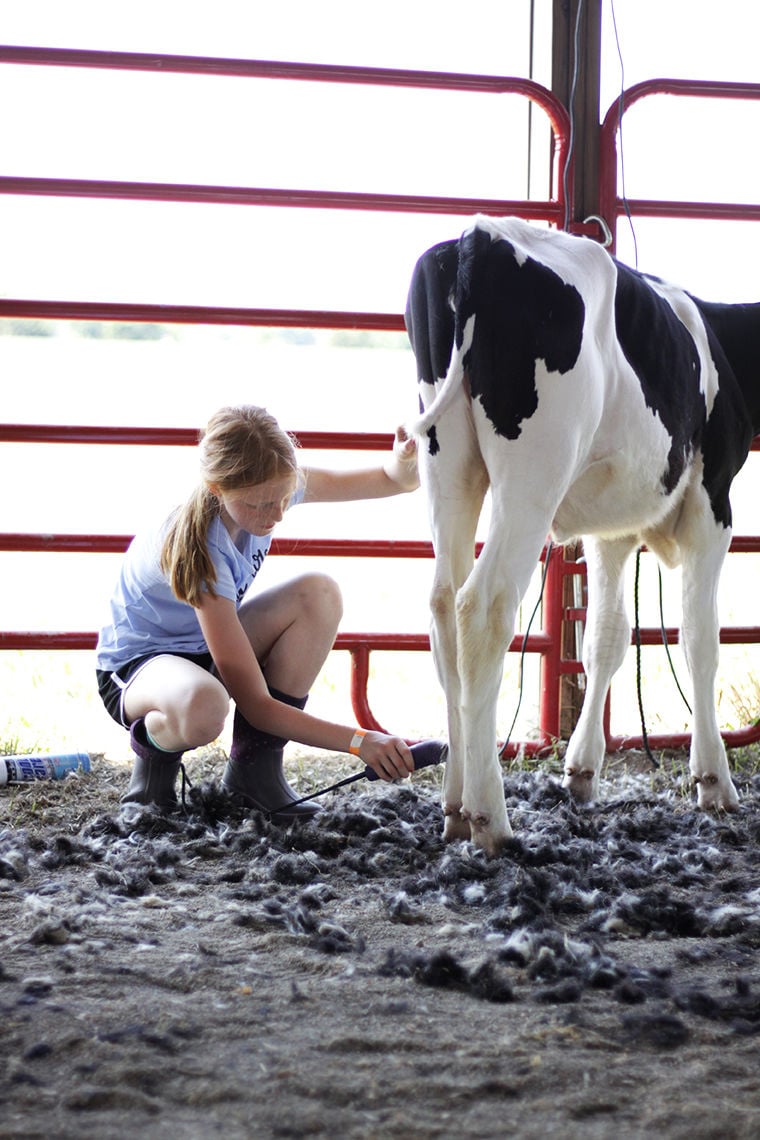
(39, 766)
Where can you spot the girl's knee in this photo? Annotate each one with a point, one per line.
(322, 592)
(203, 712)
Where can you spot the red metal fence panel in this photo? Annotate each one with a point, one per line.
(613, 207)
(548, 641)
(554, 210)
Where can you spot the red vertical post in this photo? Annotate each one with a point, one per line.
(607, 722)
(551, 660)
(359, 692)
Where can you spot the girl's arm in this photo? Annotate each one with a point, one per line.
(396, 475)
(241, 674)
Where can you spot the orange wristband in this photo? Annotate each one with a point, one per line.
(356, 741)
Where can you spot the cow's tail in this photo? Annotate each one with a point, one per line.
(440, 317)
(450, 388)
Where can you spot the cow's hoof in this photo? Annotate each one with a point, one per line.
(714, 794)
(582, 784)
(490, 840)
(487, 834)
(456, 827)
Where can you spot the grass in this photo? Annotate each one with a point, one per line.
(12, 746)
(745, 761)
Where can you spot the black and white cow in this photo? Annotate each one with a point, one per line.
(594, 401)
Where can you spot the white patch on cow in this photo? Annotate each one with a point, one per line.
(689, 316)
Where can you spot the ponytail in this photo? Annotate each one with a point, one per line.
(184, 554)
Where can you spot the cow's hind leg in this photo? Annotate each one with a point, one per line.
(704, 549)
(486, 613)
(455, 482)
(607, 636)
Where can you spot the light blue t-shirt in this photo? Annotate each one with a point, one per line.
(147, 618)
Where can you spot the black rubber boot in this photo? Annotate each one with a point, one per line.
(254, 769)
(154, 773)
(260, 783)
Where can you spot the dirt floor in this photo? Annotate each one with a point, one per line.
(211, 974)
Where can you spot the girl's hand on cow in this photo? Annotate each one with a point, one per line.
(401, 468)
(389, 756)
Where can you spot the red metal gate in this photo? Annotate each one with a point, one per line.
(545, 642)
(556, 210)
(613, 207)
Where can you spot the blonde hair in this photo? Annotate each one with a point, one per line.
(241, 447)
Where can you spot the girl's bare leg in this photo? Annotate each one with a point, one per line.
(183, 705)
(292, 629)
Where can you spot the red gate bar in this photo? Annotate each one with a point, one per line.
(307, 547)
(554, 210)
(611, 207)
(311, 72)
(198, 315)
(256, 196)
(178, 437)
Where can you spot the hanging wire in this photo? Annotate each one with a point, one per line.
(531, 53)
(624, 196)
(626, 207)
(637, 636)
(524, 649)
(571, 113)
(664, 635)
(621, 100)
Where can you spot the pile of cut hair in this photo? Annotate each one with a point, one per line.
(580, 903)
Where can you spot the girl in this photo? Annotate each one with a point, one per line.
(185, 636)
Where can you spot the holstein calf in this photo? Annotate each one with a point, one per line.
(594, 401)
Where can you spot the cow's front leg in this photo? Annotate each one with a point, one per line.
(489, 826)
(606, 638)
(700, 637)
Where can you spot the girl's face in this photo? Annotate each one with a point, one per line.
(258, 509)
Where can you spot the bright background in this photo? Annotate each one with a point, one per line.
(135, 126)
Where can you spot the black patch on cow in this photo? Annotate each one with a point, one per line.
(724, 453)
(737, 329)
(523, 313)
(662, 353)
(733, 333)
(429, 310)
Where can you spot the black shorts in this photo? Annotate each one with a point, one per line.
(111, 686)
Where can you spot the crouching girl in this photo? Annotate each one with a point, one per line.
(185, 633)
